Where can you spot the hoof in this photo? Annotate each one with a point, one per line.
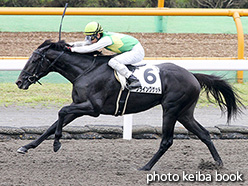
(144, 169)
(22, 150)
(219, 164)
(56, 146)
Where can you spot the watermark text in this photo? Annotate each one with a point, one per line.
(197, 176)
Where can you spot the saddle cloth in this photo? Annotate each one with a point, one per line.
(148, 76)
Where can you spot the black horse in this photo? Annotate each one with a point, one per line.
(95, 91)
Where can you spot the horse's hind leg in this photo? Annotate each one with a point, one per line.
(173, 105)
(193, 126)
(167, 140)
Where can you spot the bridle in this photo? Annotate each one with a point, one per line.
(34, 77)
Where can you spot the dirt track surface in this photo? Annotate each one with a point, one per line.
(115, 162)
(155, 44)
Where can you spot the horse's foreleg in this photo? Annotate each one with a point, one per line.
(84, 108)
(45, 135)
(167, 140)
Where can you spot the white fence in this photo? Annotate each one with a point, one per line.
(193, 65)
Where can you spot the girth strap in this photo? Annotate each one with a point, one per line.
(121, 102)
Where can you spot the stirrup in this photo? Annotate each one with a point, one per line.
(134, 85)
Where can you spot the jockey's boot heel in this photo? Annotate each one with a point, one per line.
(133, 82)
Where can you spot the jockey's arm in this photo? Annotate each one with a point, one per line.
(103, 42)
(81, 43)
(78, 43)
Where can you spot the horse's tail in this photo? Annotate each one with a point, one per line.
(223, 93)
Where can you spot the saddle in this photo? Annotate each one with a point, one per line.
(121, 79)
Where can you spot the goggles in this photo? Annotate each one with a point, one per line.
(91, 37)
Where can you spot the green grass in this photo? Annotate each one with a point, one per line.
(46, 95)
(50, 94)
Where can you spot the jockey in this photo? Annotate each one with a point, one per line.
(129, 49)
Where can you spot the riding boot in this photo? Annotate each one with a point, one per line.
(133, 82)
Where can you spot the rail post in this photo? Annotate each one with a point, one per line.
(127, 126)
(240, 34)
(159, 19)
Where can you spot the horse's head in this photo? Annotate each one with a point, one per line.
(37, 66)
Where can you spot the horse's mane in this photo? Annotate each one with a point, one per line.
(60, 46)
(54, 45)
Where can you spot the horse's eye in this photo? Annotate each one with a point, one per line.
(35, 60)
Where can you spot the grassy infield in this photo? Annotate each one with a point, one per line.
(46, 95)
(60, 94)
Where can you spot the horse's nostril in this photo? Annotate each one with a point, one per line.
(19, 83)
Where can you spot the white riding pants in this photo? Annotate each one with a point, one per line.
(133, 56)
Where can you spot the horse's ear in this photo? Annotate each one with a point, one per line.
(45, 47)
(45, 43)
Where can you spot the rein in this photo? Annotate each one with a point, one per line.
(91, 67)
(33, 78)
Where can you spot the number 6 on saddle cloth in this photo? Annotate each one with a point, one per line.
(148, 76)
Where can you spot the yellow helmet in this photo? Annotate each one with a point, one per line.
(93, 28)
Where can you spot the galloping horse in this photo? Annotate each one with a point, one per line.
(95, 91)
